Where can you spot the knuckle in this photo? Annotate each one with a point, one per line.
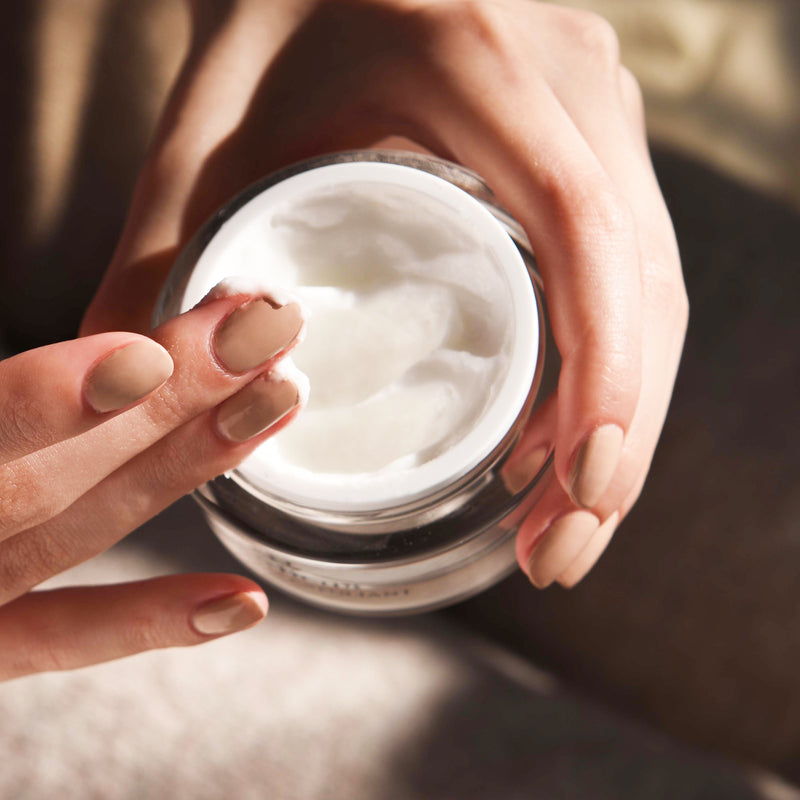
(170, 469)
(23, 501)
(170, 407)
(618, 363)
(595, 37)
(26, 561)
(179, 467)
(481, 30)
(610, 213)
(591, 209)
(468, 17)
(23, 420)
(481, 22)
(45, 554)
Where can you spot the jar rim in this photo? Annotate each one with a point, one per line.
(416, 173)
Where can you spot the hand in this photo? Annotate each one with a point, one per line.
(99, 434)
(529, 95)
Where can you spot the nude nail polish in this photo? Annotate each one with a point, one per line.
(255, 332)
(229, 614)
(588, 557)
(559, 546)
(127, 375)
(595, 464)
(517, 474)
(257, 407)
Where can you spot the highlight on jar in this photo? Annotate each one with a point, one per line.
(399, 486)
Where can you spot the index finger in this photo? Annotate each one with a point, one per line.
(61, 390)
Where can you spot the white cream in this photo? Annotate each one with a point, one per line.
(422, 329)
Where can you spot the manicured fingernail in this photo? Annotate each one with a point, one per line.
(517, 474)
(229, 614)
(127, 375)
(587, 558)
(255, 332)
(559, 546)
(258, 406)
(595, 464)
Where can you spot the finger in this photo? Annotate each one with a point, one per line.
(558, 541)
(663, 345)
(618, 138)
(556, 536)
(590, 66)
(202, 111)
(533, 447)
(68, 628)
(575, 540)
(218, 136)
(213, 443)
(583, 233)
(59, 391)
(590, 554)
(553, 535)
(217, 348)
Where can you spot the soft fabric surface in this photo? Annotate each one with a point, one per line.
(310, 705)
(721, 81)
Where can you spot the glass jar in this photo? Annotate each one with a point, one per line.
(399, 542)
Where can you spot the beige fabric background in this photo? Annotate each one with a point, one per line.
(721, 80)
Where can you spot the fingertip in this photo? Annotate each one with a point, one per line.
(230, 613)
(559, 545)
(598, 396)
(594, 463)
(259, 407)
(256, 332)
(590, 554)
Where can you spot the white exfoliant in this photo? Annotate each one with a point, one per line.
(412, 327)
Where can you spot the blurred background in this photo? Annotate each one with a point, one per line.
(675, 662)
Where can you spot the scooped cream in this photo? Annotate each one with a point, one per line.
(409, 335)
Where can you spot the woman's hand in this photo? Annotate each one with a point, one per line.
(529, 95)
(99, 434)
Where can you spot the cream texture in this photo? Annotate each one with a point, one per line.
(408, 338)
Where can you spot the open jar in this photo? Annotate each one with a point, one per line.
(425, 352)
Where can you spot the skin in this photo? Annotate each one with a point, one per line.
(74, 481)
(531, 96)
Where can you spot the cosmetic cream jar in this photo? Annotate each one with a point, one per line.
(359, 524)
